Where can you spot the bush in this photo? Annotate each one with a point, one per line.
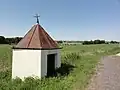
(70, 58)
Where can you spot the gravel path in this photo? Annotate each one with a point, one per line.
(108, 75)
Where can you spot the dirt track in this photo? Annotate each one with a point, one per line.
(108, 75)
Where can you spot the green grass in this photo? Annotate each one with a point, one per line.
(78, 65)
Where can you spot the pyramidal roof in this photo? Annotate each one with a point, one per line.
(37, 38)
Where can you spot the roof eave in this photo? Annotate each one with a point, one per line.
(36, 48)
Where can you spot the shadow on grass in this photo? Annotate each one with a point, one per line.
(64, 70)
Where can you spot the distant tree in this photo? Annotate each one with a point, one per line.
(17, 39)
(2, 40)
(102, 42)
(97, 42)
(94, 42)
(13, 40)
(10, 40)
(60, 41)
(114, 42)
(85, 42)
(91, 42)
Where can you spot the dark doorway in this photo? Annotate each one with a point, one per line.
(50, 64)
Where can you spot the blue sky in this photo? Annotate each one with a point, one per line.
(62, 19)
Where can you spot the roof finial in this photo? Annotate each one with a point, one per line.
(37, 16)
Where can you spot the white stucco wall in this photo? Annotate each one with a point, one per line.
(58, 61)
(44, 54)
(26, 63)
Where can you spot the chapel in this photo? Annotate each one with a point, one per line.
(37, 54)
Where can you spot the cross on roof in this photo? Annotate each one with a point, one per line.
(37, 16)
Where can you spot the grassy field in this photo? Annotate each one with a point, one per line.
(78, 65)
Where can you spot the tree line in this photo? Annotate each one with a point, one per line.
(89, 42)
(99, 42)
(15, 40)
(4, 40)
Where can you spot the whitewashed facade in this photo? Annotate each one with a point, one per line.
(27, 63)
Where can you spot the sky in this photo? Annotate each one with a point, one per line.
(62, 19)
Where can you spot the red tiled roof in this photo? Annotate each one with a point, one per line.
(37, 38)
